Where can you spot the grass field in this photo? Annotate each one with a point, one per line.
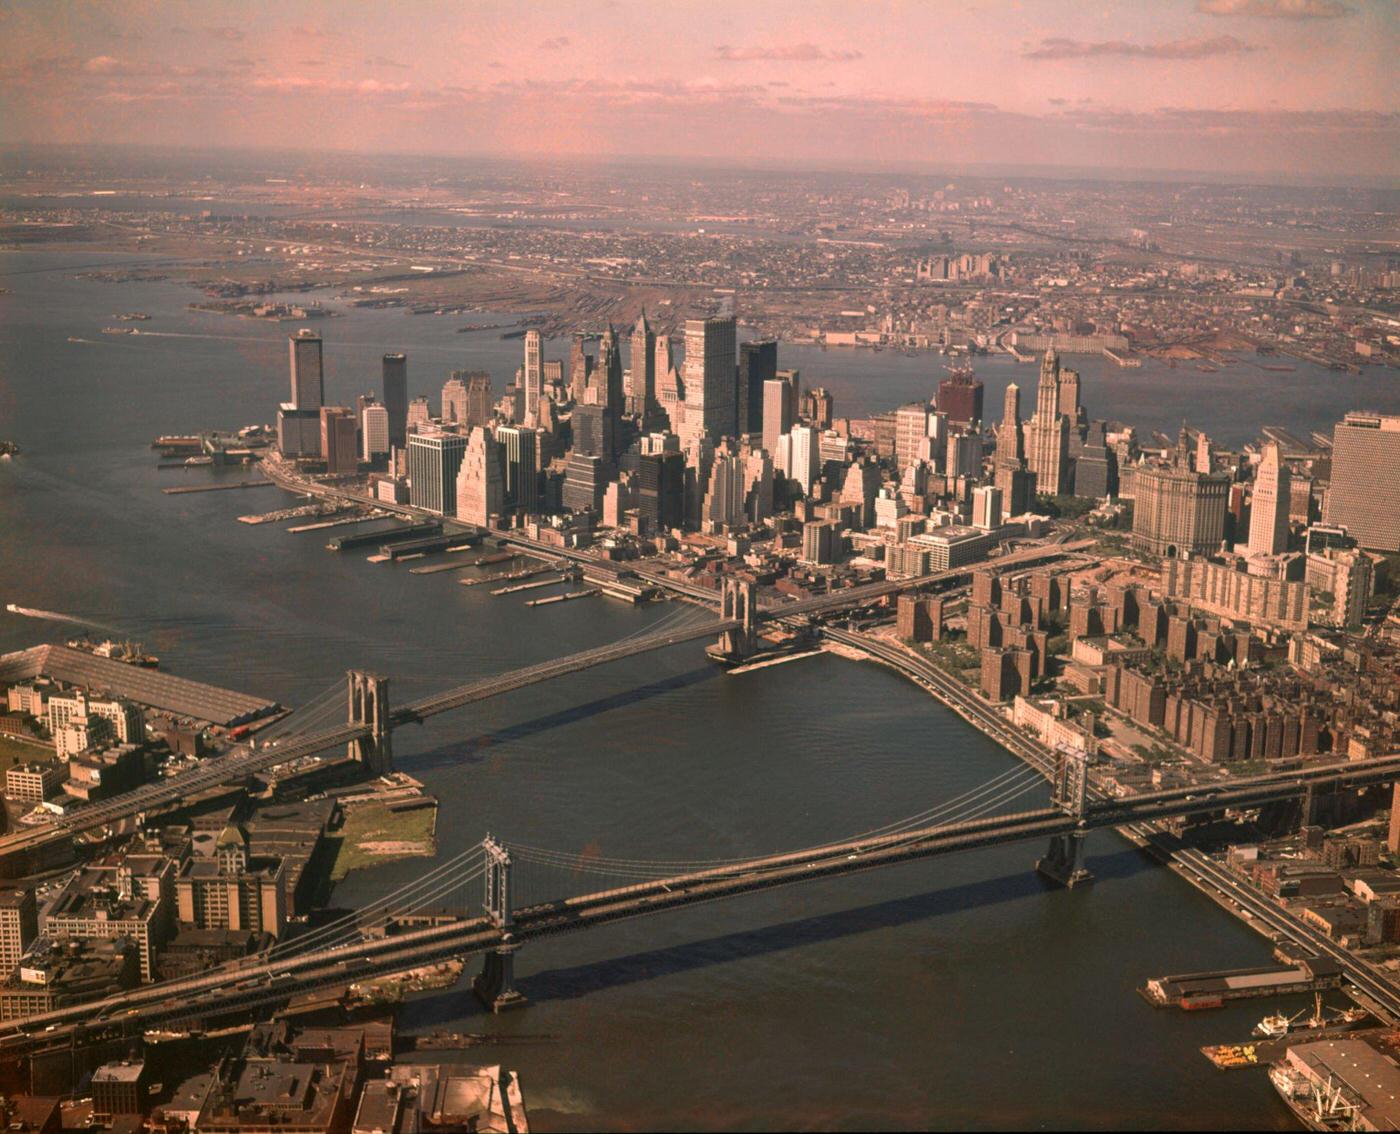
(374, 834)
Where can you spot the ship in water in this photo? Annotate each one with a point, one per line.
(121, 330)
(130, 652)
(1278, 1025)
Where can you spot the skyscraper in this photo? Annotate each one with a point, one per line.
(481, 490)
(910, 434)
(1047, 432)
(308, 382)
(661, 490)
(519, 447)
(818, 406)
(960, 397)
(395, 371)
(1177, 510)
(434, 459)
(805, 464)
(534, 375)
(374, 431)
(710, 375)
(779, 407)
(1365, 490)
(454, 400)
(1268, 514)
(580, 368)
(338, 436)
(758, 363)
(641, 378)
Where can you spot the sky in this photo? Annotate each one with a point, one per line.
(1303, 87)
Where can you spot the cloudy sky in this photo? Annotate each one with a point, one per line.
(1301, 86)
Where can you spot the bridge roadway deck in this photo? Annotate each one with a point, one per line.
(238, 765)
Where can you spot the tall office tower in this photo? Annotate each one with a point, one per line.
(1047, 432)
(758, 496)
(395, 371)
(481, 487)
(986, 507)
(19, 926)
(1204, 459)
(611, 392)
(454, 400)
(298, 431)
(910, 433)
(710, 374)
(805, 463)
(758, 363)
(641, 378)
(1365, 490)
(338, 437)
(725, 493)
(419, 413)
(960, 397)
(859, 488)
(1177, 510)
(478, 398)
(661, 490)
(593, 432)
(520, 454)
(533, 377)
(585, 481)
(580, 368)
(374, 432)
(818, 406)
(308, 382)
(964, 455)
(434, 459)
(1010, 448)
(1069, 398)
(1096, 466)
(1268, 514)
(779, 407)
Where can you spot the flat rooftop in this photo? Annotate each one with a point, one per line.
(149, 687)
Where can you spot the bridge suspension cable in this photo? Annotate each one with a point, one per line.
(975, 803)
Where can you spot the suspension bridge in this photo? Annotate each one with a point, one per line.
(441, 916)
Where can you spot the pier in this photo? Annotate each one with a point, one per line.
(219, 487)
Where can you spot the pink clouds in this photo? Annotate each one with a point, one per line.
(1061, 48)
(786, 53)
(1276, 9)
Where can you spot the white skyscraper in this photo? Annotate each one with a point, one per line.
(481, 490)
(533, 376)
(710, 374)
(1268, 515)
(374, 432)
(805, 462)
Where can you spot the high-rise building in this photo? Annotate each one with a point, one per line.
(960, 397)
(779, 407)
(710, 375)
(1365, 491)
(758, 363)
(668, 380)
(1177, 510)
(805, 462)
(1268, 514)
(585, 481)
(641, 377)
(19, 926)
(477, 405)
(533, 376)
(910, 434)
(374, 431)
(1047, 432)
(818, 407)
(338, 440)
(419, 413)
(308, 382)
(580, 368)
(454, 400)
(661, 490)
(986, 507)
(434, 459)
(519, 447)
(1096, 465)
(298, 431)
(481, 488)
(395, 371)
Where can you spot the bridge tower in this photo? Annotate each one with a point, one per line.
(495, 987)
(1064, 862)
(736, 604)
(369, 705)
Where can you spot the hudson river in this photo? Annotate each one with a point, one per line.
(954, 993)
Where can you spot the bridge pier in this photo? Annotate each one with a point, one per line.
(368, 696)
(495, 986)
(736, 603)
(1064, 861)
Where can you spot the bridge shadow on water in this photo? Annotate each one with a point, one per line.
(617, 972)
(475, 749)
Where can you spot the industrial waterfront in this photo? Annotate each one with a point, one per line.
(958, 986)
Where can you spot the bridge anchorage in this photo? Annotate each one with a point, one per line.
(495, 987)
(1064, 862)
(369, 705)
(736, 604)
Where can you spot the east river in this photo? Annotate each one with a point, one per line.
(954, 993)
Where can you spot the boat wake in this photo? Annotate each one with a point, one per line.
(54, 616)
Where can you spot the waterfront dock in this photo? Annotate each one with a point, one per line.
(1195, 991)
(513, 589)
(380, 538)
(587, 593)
